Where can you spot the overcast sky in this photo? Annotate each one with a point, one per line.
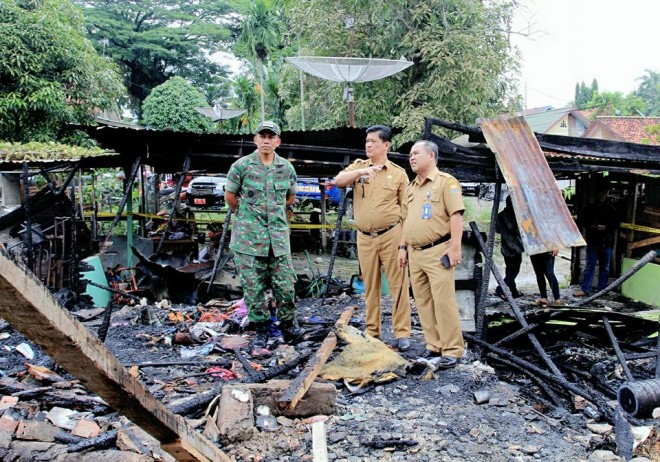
(579, 40)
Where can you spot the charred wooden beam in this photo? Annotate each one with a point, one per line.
(528, 328)
(514, 305)
(621, 279)
(127, 194)
(301, 384)
(105, 440)
(617, 349)
(559, 380)
(221, 248)
(175, 205)
(30, 309)
(249, 371)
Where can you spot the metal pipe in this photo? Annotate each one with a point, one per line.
(639, 398)
(621, 279)
(114, 291)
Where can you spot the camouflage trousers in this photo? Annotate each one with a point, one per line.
(257, 275)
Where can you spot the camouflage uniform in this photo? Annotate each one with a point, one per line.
(260, 234)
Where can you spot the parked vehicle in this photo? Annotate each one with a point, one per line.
(206, 192)
(471, 189)
(309, 190)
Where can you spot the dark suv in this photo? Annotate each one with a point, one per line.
(206, 192)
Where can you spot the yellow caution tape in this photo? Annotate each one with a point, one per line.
(646, 229)
(109, 215)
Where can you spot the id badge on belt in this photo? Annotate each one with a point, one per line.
(426, 208)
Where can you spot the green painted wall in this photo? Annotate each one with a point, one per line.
(644, 285)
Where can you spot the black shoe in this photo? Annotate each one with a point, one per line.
(261, 338)
(290, 331)
(403, 344)
(430, 354)
(446, 362)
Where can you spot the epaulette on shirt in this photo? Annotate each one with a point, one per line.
(398, 166)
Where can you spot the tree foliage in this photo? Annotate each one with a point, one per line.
(153, 40)
(584, 94)
(171, 106)
(463, 60)
(50, 73)
(649, 92)
(261, 32)
(615, 103)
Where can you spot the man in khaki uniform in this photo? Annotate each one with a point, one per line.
(433, 229)
(379, 207)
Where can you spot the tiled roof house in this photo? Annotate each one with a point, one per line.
(628, 129)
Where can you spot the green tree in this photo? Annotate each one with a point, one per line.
(261, 32)
(171, 106)
(464, 63)
(649, 91)
(615, 103)
(248, 99)
(154, 40)
(584, 94)
(50, 73)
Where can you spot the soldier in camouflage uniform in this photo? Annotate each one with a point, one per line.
(259, 188)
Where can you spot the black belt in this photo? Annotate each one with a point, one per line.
(379, 232)
(444, 238)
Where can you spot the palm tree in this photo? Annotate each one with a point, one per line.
(246, 98)
(261, 32)
(649, 91)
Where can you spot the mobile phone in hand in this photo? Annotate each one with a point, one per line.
(445, 261)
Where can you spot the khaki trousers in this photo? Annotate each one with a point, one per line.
(435, 298)
(374, 252)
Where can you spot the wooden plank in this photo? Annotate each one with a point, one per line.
(294, 393)
(301, 384)
(644, 243)
(30, 309)
(319, 442)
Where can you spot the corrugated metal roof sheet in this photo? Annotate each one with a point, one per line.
(543, 217)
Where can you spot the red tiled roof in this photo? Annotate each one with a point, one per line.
(630, 129)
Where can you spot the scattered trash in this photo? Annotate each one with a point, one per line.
(25, 350)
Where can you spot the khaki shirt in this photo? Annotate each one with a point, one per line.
(379, 202)
(443, 193)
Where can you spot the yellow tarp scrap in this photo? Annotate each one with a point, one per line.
(364, 360)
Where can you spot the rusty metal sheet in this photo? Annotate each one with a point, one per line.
(543, 218)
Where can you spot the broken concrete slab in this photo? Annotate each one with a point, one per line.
(235, 415)
(86, 429)
(36, 431)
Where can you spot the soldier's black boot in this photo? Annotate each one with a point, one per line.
(261, 338)
(290, 331)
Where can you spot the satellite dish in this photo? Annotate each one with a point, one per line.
(348, 71)
(217, 114)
